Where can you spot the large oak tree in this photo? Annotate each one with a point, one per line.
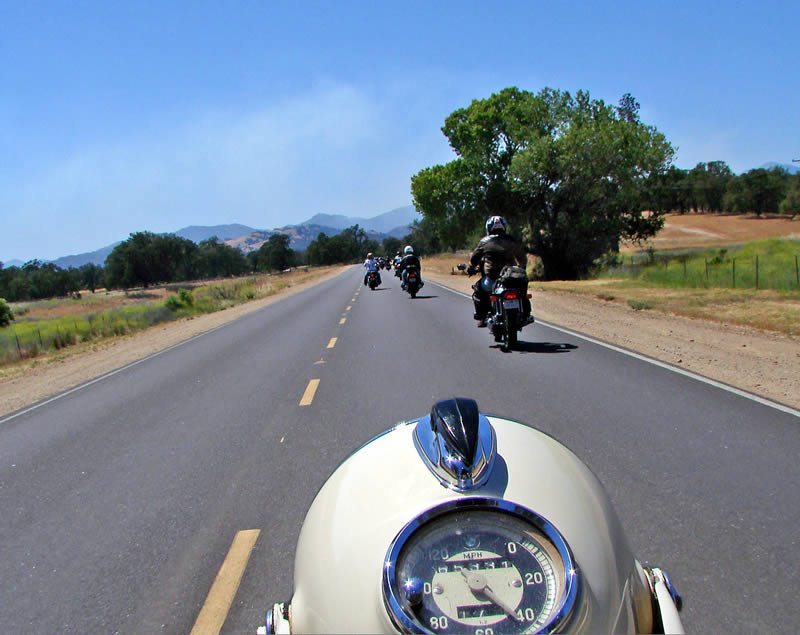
(570, 171)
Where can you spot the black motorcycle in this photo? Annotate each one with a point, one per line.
(508, 315)
(510, 309)
(373, 280)
(412, 282)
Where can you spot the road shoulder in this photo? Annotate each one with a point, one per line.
(762, 363)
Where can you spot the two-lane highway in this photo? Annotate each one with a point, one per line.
(120, 501)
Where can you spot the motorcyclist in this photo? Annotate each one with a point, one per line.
(396, 263)
(409, 260)
(371, 264)
(495, 250)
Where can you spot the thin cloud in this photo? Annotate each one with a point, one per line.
(333, 149)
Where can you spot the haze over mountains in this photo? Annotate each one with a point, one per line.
(396, 222)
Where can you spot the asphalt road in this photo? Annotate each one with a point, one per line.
(119, 502)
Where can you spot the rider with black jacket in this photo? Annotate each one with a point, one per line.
(410, 259)
(496, 250)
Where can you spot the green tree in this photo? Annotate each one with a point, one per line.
(90, 276)
(350, 245)
(758, 191)
(6, 314)
(216, 259)
(391, 246)
(146, 258)
(274, 254)
(790, 205)
(571, 172)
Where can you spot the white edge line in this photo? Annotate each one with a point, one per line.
(706, 380)
(106, 376)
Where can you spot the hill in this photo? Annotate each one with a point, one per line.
(199, 233)
(385, 223)
(396, 222)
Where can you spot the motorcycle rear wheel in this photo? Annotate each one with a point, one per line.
(509, 333)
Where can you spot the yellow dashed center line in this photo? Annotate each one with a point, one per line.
(343, 320)
(311, 390)
(332, 343)
(223, 591)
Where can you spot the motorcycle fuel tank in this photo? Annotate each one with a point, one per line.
(461, 522)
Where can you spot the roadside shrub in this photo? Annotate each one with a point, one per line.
(173, 303)
(186, 297)
(639, 305)
(6, 314)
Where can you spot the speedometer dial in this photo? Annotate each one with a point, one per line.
(481, 567)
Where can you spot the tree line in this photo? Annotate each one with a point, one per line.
(713, 187)
(145, 259)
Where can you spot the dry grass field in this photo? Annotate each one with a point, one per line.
(689, 231)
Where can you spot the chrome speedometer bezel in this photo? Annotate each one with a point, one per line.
(391, 596)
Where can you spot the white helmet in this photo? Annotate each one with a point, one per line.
(408, 250)
(496, 225)
(369, 255)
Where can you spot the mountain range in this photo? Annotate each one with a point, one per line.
(396, 222)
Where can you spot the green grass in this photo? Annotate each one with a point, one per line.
(32, 338)
(29, 338)
(774, 260)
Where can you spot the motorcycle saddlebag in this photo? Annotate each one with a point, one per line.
(513, 277)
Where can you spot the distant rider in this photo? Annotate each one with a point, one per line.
(409, 261)
(371, 264)
(495, 250)
(396, 263)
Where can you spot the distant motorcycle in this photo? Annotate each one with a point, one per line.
(412, 283)
(373, 280)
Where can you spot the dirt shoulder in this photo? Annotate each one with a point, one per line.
(762, 363)
(34, 381)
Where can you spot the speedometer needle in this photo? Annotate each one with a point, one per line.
(478, 584)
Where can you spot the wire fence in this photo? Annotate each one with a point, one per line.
(734, 272)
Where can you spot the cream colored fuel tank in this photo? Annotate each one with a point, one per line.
(371, 497)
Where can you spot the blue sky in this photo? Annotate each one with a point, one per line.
(125, 116)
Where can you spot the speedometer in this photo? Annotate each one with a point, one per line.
(479, 566)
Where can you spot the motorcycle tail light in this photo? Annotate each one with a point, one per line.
(511, 295)
(493, 298)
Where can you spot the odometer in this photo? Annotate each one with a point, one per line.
(481, 567)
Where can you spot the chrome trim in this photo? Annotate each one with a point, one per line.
(572, 580)
(277, 621)
(447, 465)
(673, 591)
(656, 575)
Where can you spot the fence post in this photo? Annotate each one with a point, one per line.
(734, 273)
(41, 343)
(756, 271)
(706, 259)
(19, 348)
(797, 270)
